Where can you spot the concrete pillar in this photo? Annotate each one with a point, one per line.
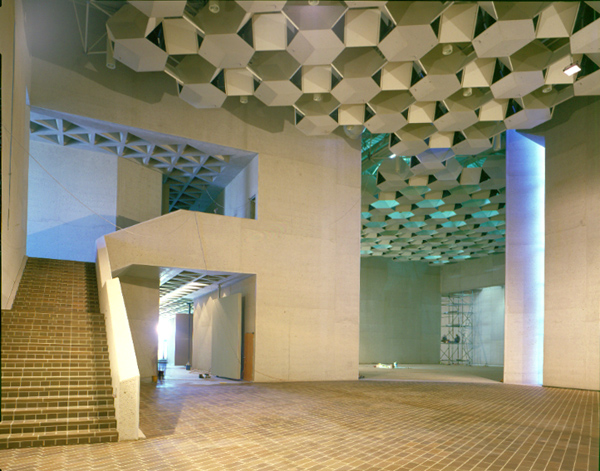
(524, 294)
(141, 297)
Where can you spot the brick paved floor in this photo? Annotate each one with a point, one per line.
(362, 425)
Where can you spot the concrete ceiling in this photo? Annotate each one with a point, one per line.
(454, 66)
(178, 287)
(195, 172)
(433, 84)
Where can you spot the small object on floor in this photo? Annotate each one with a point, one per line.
(188, 366)
(361, 377)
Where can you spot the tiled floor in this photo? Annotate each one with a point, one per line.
(362, 425)
(452, 373)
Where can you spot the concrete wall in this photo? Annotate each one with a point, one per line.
(15, 146)
(139, 193)
(240, 190)
(202, 333)
(524, 286)
(203, 313)
(141, 301)
(472, 274)
(182, 339)
(171, 343)
(400, 307)
(103, 190)
(234, 200)
(488, 326)
(304, 247)
(60, 226)
(572, 295)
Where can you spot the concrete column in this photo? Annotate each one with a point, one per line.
(141, 297)
(524, 294)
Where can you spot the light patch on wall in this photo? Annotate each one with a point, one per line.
(526, 241)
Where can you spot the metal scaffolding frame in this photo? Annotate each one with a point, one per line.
(457, 320)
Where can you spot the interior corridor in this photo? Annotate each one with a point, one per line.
(359, 425)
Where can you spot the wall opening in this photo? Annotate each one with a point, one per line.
(206, 326)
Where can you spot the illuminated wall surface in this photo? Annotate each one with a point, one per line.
(524, 295)
(58, 225)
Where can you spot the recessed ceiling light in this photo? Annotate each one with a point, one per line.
(447, 49)
(317, 97)
(313, 2)
(243, 99)
(213, 6)
(547, 88)
(572, 69)
(467, 92)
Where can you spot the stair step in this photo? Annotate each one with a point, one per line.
(53, 356)
(76, 335)
(51, 313)
(53, 341)
(53, 372)
(53, 363)
(28, 318)
(54, 413)
(62, 319)
(52, 402)
(40, 328)
(39, 391)
(37, 348)
(57, 425)
(38, 381)
(57, 438)
(56, 381)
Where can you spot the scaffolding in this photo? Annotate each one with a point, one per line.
(457, 329)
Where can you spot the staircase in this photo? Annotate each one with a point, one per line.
(56, 383)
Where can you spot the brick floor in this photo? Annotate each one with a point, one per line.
(362, 425)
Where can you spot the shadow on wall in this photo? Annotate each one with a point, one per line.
(73, 240)
(53, 36)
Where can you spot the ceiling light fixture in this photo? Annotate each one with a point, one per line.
(572, 69)
(353, 131)
(317, 97)
(547, 88)
(110, 60)
(447, 49)
(467, 92)
(243, 99)
(313, 2)
(213, 6)
(393, 156)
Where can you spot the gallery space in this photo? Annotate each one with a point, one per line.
(373, 225)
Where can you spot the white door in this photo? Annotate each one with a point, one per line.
(227, 337)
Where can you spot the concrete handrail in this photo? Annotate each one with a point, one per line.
(123, 363)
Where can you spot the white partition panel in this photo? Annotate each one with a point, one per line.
(227, 337)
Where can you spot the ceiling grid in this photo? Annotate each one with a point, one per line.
(435, 83)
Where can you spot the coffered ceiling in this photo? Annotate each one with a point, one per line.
(430, 87)
(194, 172)
(474, 68)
